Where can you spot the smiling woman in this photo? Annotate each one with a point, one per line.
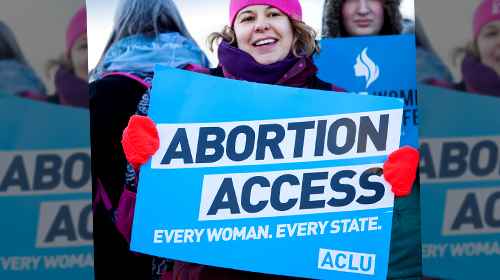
(267, 37)
(264, 42)
(273, 39)
(273, 36)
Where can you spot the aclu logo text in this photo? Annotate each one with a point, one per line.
(346, 261)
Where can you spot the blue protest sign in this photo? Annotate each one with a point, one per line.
(375, 65)
(269, 179)
(460, 178)
(45, 191)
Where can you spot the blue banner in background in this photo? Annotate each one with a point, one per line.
(460, 184)
(375, 65)
(45, 191)
(268, 179)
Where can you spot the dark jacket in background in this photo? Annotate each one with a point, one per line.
(112, 101)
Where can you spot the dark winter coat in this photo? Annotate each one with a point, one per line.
(113, 99)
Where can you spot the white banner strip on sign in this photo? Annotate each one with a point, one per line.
(43, 172)
(472, 211)
(277, 141)
(65, 223)
(459, 159)
(293, 192)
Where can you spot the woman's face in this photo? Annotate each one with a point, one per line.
(363, 17)
(264, 32)
(488, 43)
(78, 56)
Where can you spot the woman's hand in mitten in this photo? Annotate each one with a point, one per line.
(140, 140)
(400, 170)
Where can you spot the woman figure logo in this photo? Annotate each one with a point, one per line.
(365, 67)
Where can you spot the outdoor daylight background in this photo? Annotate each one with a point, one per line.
(447, 23)
(202, 17)
(40, 28)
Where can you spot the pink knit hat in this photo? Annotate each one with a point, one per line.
(76, 27)
(291, 8)
(486, 12)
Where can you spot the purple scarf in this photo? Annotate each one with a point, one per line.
(70, 89)
(238, 64)
(480, 78)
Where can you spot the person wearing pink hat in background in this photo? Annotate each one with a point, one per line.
(70, 71)
(480, 67)
(487, 34)
(265, 42)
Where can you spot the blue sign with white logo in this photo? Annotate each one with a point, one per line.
(375, 65)
(266, 178)
(45, 191)
(460, 184)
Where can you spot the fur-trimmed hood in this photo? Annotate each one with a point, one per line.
(332, 19)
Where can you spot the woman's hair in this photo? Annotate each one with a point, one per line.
(146, 17)
(9, 49)
(304, 42)
(458, 53)
(62, 61)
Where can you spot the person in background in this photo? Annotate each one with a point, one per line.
(16, 75)
(70, 71)
(345, 18)
(267, 42)
(145, 33)
(429, 65)
(480, 58)
(378, 17)
(348, 18)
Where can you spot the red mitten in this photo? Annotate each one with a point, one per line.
(400, 170)
(140, 140)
